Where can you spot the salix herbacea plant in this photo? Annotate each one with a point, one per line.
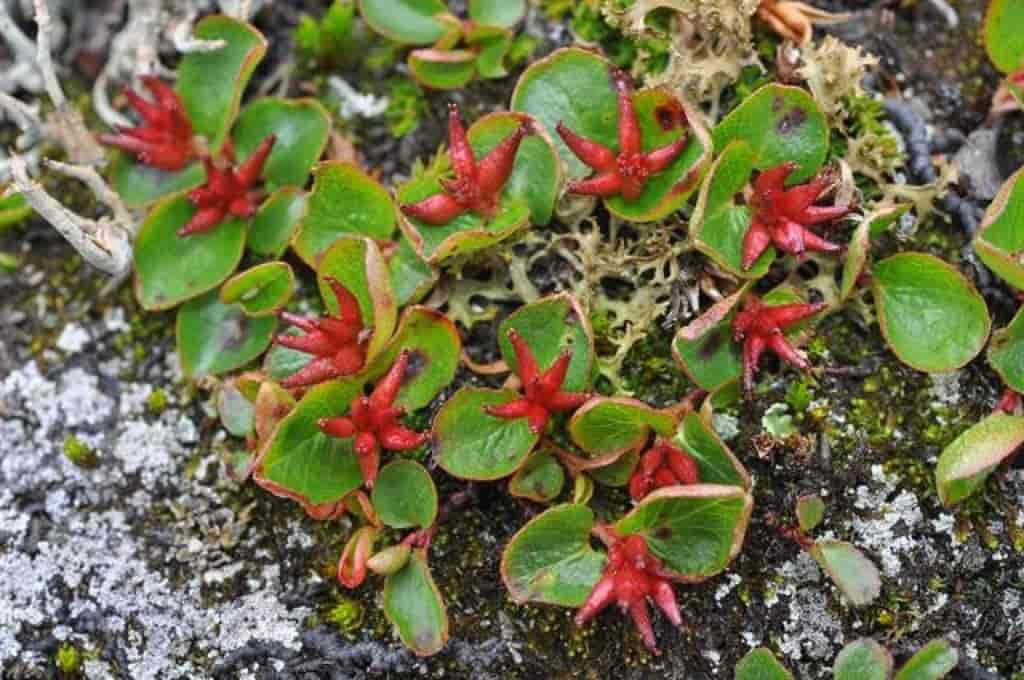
(862, 659)
(459, 49)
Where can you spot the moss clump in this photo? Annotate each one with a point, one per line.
(68, 659)
(650, 372)
(79, 453)
(346, 615)
(156, 402)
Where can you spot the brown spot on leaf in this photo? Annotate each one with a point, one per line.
(417, 364)
(663, 533)
(669, 115)
(237, 332)
(711, 344)
(777, 104)
(792, 121)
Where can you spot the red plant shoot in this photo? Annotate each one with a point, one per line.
(781, 216)
(662, 465)
(632, 576)
(625, 173)
(373, 422)
(542, 392)
(337, 342)
(477, 186)
(164, 140)
(759, 327)
(228, 191)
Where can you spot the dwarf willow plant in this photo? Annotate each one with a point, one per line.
(862, 659)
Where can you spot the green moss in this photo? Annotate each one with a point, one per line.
(156, 402)
(68, 659)
(650, 372)
(346, 615)
(407, 103)
(79, 453)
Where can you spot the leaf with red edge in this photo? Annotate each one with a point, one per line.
(607, 427)
(716, 463)
(140, 185)
(442, 69)
(410, 22)
(274, 225)
(302, 127)
(505, 13)
(704, 348)
(404, 495)
(215, 338)
(540, 479)
(1000, 238)
(414, 605)
(968, 460)
(262, 290)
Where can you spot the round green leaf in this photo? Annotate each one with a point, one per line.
(761, 664)
(442, 69)
(970, 458)
(931, 316)
(781, 123)
(506, 13)
(282, 362)
(863, 659)
(471, 444)
(810, 510)
(608, 426)
(171, 269)
(273, 227)
(411, 277)
(720, 223)
(854, 574)
(215, 338)
(537, 174)
(467, 233)
(262, 290)
(404, 495)
(1006, 352)
(1000, 238)
(550, 559)
(436, 350)
(211, 83)
(1002, 34)
(705, 350)
(359, 266)
(716, 464)
(696, 530)
(301, 462)
(492, 45)
(236, 412)
(344, 200)
(302, 127)
(549, 327)
(412, 22)
(616, 474)
(413, 604)
(13, 209)
(272, 404)
(934, 661)
(540, 479)
(139, 185)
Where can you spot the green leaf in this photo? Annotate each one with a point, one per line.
(854, 574)
(274, 225)
(810, 510)
(471, 444)
(1000, 238)
(282, 362)
(607, 427)
(616, 474)
(492, 45)
(550, 560)
(261, 291)
(358, 265)
(442, 69)
(761, 664)
(705, 350)
(404, 495)
(716, 464)
(931, 316)
(863, 659)
(505, 13)
(301, 462)
(139, 185)
(550, 326)
(720, 224)
(413, 604)
(13, 210)
(860, 245)
(934, 661)
(302, 127)
(1006, 352)
(781, 123)
(171, 269)
(211, 83)
(272, 404)
(966, 463)
(436, 349)
(1002, 34)
(411, 277)
(537, 174)
(540, 479)
(215, 338)
(695, 530)
(412, 22)
(344, 200)
(237, 413)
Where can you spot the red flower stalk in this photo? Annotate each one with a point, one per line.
(373, 422)
(662, 465)
(627, 172)
(228, 191)
(477, 185)
(781, 216)
(542, 393)
(336, 341)
(633, 574)
(164, 140)
(759, 327)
